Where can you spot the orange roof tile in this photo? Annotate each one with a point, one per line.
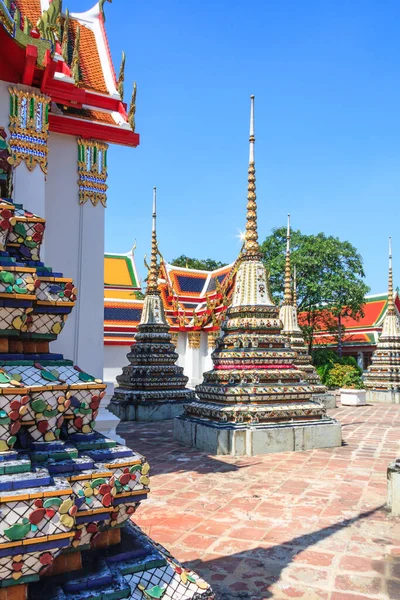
(92, 77)
(88, 114)
(30, 9)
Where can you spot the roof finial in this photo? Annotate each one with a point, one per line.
(251, 235)
(287, 299)
(152, 280)
(390, 306)
(294, 287)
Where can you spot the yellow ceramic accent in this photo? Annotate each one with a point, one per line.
(144, 480)
(3, 446)
(67, 521)
(145, 468)
(56, 328)
(184, 577)
(65, 506)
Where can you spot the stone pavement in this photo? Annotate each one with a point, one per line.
(309, 525)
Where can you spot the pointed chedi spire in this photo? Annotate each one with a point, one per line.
(391, 322)
(382, 379)
(152, 387)
(251, 285)
(391, 309)
(152, 280)
(287, 298)
(294, 288)
(291, 329)
(251, 236)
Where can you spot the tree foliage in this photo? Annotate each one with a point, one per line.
(330, 276)
(207, 264)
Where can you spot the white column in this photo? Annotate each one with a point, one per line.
(75, 246)
(30, 190)
(360, 360)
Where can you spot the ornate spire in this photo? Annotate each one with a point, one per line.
(152, 281)
(251, 235)
(64, 42)
(294, 288)
(121, 77)
(132, 108)
(287, 299)
(391, 309)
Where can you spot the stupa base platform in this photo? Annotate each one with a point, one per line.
(327, 400)
(393, 488)
(156, 410)
(238, 439)
(136, 568)
(383, 397)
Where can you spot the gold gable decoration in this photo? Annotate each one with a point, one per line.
(92, 170)
(29, 128)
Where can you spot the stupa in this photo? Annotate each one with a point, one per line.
(254, 400)
(152, 387)
(382, 379)
(294, 336)
(67, 493)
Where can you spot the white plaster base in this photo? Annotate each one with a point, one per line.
(241, 440)
(383, 397)
(393, 488)
(350, 397)
(327, 400)
(106, 422)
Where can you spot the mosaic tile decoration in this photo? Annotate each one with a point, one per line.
(29, 128)
(92, 169)
(62, 484)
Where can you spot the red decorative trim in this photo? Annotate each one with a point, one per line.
(31, 55)
(92, 130)
(247, 367)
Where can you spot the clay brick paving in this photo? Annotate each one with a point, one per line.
(292, 525)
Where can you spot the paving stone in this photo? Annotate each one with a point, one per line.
(309, 525)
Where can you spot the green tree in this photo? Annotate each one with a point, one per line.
(207, 264)
(329, 279)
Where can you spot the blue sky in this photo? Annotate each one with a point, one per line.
(326, 80)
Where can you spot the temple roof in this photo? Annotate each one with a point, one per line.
(184, 293)
(364, 331)
(87, 97)
(120, 271)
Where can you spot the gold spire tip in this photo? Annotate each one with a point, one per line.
(251, 235)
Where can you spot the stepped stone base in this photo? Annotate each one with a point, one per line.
(393, 488)
(147, 411)
(327, 400)
(251, 440)
(389, 397)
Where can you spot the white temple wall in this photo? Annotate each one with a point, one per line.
(75, 245)
(180, 349)
(114, 360)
